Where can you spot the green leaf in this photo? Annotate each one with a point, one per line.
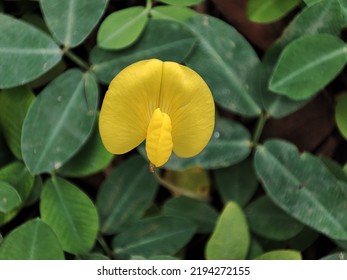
(264, 218)
(181, 2)
(33, 240)
(303, 187)
(159, 258)
(125, 195)
(18, 176)
(25, 52)
(230, 239)
(9, 198)
(70, 213)
(254, 250)
(92, 256)
(264, 11)
(335, 168)
(71, 21)
(14, 104)
(173, 13)
(307, 65)
(231, 62)
(230, 144)
(339, 256)
(309, 21)
(122, 28)
(311, 2)
(35, 192)
(341, 114)
(153, 236)
(174, 44)
(280, 255)
(343, 5)
(237, 182)
(90, 159)
(199, 212)
(59, 121)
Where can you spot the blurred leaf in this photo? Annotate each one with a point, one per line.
(122, 28)
(26, 52)
(70, 213)
(307, 22)
(264, 11)
(37, 21)
(303, 240)
(5, 155)
(90, 159)
(264, 218)
(162, 258)
(307, 65)
(92, 256)
(230, 239)
(334, 168)
(9, 198)
(181, 2)
(35, 192)
(341, 114)
(194, 182)
(173, 13)
(125, 194)
(230, 143)
(231, 62)
(237, 182)
(199, 212)
(343, 5)
(33, 240)
(280, 255)
(303, 187)
(153, 237)
(18, 176)
(14, 104)
(339, 256)
(174, 44)
(71, 21)
(254, 250)
(311, 2)
(59, 121)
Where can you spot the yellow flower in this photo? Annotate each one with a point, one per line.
(165, 103)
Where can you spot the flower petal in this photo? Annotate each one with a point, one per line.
(186, 98)
(128, 105)
(159, 139)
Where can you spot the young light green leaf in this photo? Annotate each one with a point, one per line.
(173, 13)
(33, 240)
(230, 239)
(237, 182)
(280, 255)
(124, 196)
(181, 2)
(122, 28)
(71, 21)
(174, 44)
(199, 212)
(341, 114)
(230, 144)
(90, 159)
(25, 52)
(14, 104)
(9, 198)
(70, 213)
(264, 218)
(153, 237)
(231, 62)
(59, 121)
(303, 187)
(307, 65)
(264, 11)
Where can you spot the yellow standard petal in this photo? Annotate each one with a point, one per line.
(128, 105)
(186, 98)
(159, 140)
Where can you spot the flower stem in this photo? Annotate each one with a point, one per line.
(259, 128)
(79, 61)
